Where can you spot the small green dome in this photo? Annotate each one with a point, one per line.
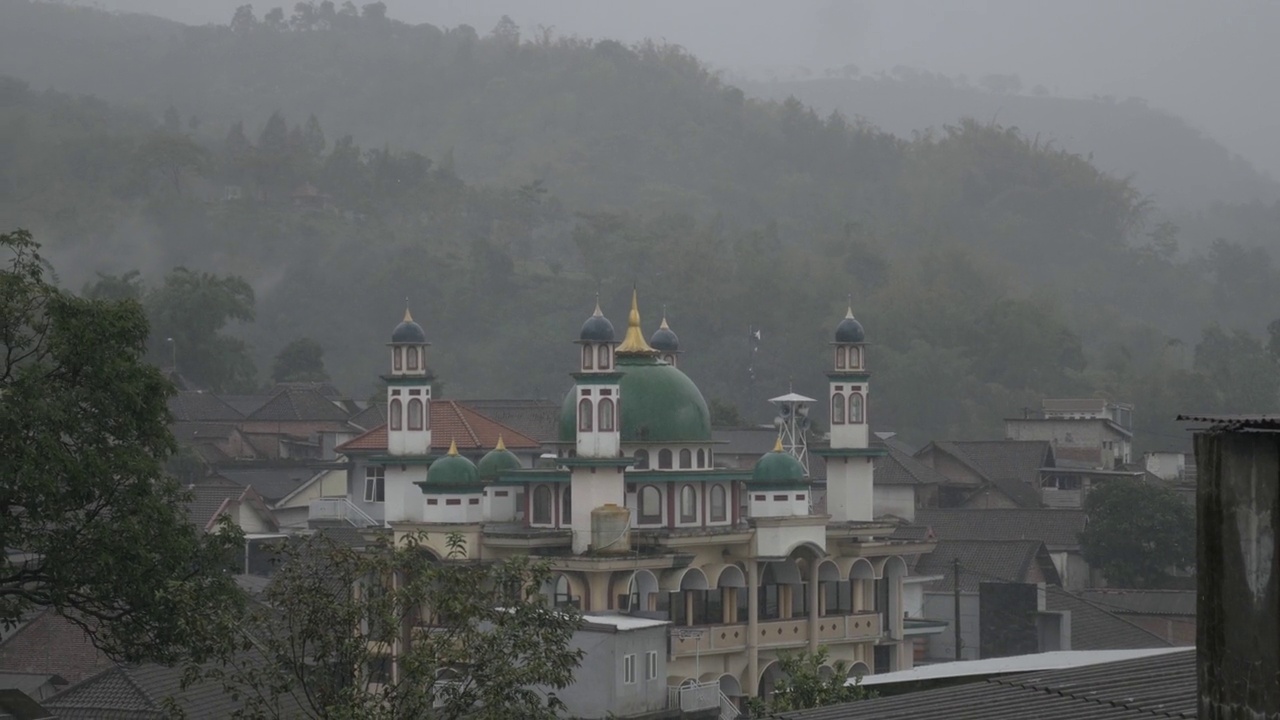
(452, 470)
(497, 461)
(659, 404)
(778, 467)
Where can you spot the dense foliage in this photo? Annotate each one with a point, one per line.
(475, 641)
(809, 681)
(91, 525)
(1138, 533)
(991, 269)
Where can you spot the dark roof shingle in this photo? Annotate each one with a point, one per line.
(984, 561)
(298, 403)
(196, 406)
(899, 468)
(1055, 528)
(1013, 466)
(1095, 628)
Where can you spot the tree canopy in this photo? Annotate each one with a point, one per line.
(1138, 533)
(476, 640)
(92, 526)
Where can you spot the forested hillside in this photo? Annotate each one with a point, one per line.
(1165, 158)
(511, 179)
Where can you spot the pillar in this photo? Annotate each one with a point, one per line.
(753, 629)
(813, 605)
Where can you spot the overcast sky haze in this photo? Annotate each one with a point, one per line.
(1208, 62)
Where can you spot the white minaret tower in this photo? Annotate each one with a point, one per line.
(408, 391)
(850, 457)
(596, 469)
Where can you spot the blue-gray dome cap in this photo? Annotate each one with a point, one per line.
(664, 338)
(850, 330)
(597, 328)
(408, 332)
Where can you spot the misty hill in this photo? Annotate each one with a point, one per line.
(991, 270)
(1167, 159)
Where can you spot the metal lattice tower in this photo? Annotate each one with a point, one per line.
(792, 422)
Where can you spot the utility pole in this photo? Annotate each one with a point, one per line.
(955, 591)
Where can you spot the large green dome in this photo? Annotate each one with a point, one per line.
(659, 404)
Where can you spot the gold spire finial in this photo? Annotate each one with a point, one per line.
(777, 447)
(664, 325)
(501, 445)
(453, 448)
(849, 315)
(634, 342)
(407, 316)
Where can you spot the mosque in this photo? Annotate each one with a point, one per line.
(636, 519)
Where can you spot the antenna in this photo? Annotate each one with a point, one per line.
(792, 422)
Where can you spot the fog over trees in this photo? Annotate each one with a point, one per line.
(291, 175)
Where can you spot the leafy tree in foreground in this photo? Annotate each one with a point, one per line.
(803, 685)
(1137, 532)
(479, 640)
(300, 361)
(93, 527)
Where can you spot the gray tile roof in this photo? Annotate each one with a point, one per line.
(205, 501)
(195, 406)
(1163, 686)
(899, 468)
(1093, 627)
(298, 403)
(272, 483)
(984, 561)
(1144, 602)
(370, 417)
(1013, 466)
(1055, 528)
(246, 404)
(138, 692)
(538, 419)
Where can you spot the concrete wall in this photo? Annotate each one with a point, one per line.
(598, 690)
(1238, 633)
(940, 606)
(896, 500)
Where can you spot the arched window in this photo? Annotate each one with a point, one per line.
(584, 415)
(855, 408)
(606, 415)
(588, 356)
(855, 358)
(542, 505)
(566, 506)
(411, 358)
(642, 460)
(840, 357)
(717, 503)
(686, 458)
(397, 358)
(702, 458)
(604, 357)
(837, 409)
(397, 416)
(688, 504)
(561, 597)
(650, 505)
(415, 414)
(664, 459)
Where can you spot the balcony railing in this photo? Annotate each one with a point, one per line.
(693, 697)
(777, 633)
(340, 509)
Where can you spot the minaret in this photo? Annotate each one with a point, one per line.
(597, 464)
(849, 458)
(408, 391)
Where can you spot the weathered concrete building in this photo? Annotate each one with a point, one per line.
(1237, 507)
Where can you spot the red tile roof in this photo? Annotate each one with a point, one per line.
(451, 421)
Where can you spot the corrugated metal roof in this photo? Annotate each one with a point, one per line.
(1144, 602)
(1143, 688)
(1268, 422)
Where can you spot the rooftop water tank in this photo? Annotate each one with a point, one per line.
(610, 530)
